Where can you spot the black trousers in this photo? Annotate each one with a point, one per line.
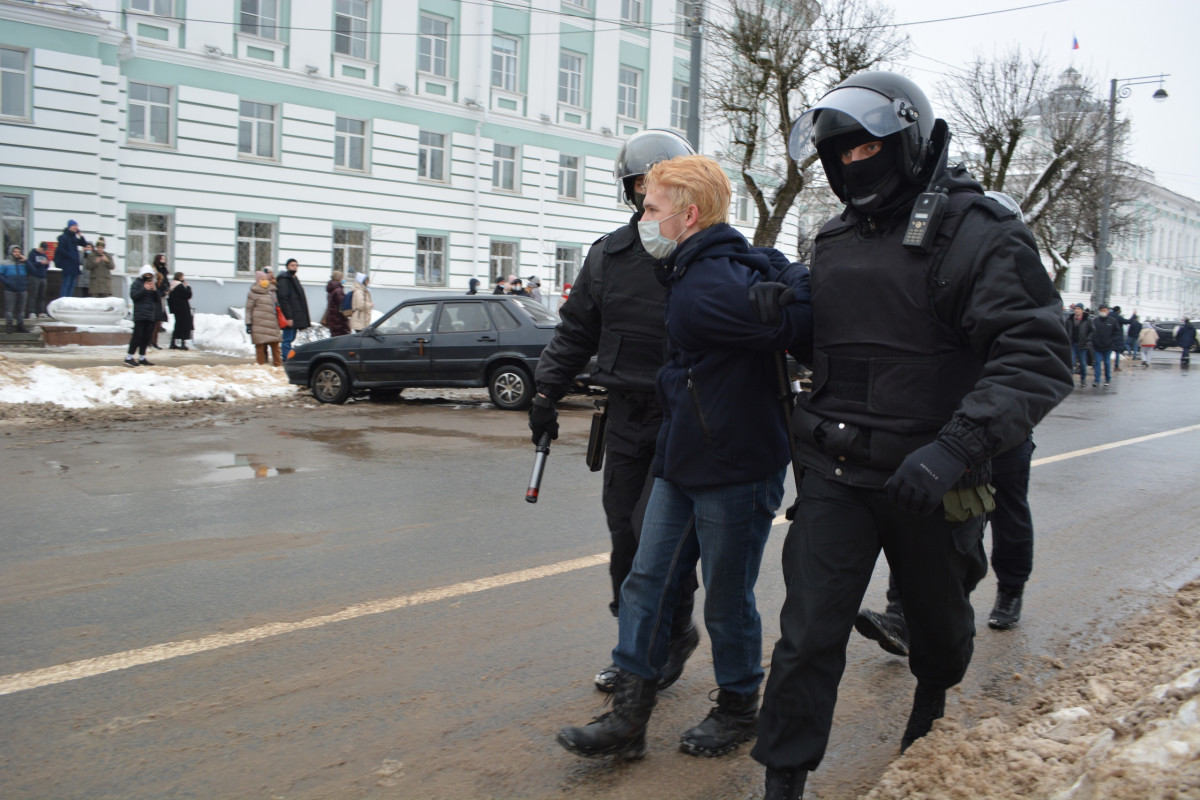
(1012, 522)
(634, 419)
(828, 557)
(143, 331)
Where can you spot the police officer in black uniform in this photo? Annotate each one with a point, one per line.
(616, 312)
(937, 344)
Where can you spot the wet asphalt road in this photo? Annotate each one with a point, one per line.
(124, 536)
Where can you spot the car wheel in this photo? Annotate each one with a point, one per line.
(511, 387)
(329, 383)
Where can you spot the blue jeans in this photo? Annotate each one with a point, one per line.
(289, 336)
(1079, 357)
(731, 527)
(68, 285)
(1097, 357)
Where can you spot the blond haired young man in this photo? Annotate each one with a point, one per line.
(720, 460)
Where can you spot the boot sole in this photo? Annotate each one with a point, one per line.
(867, 627)
(693, 749)
(628, 752)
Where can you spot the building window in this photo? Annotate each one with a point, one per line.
(1086, 279)
(255, 245)
(431, 156)
(566, 264)
(504, 167)
(258, 18)
(568, 177)
(14, 83)
(631, 11)
(577, 3)
(146, 235)
(159, 8)
(350, 27)
(433, 46)
(504, 258)
(570, 79)
(256, 129)
(628, 81)
(149, 113)
(431, 260)
(504, 63)
(682, 16)
(743, 209)
(350, 251)
(679, 105)
(14, 217)
(350, 144)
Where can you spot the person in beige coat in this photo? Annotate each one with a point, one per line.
(262, 321)
(1147, 340)
(361, 304)
(99, 266)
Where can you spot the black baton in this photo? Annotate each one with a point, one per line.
(539, 466)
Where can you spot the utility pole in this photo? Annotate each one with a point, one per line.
(695, 21)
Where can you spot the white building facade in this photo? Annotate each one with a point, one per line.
(425, 142)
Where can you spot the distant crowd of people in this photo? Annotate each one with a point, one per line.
(1100, 339)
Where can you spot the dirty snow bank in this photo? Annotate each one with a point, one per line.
(96, 387)
(1123, 724)
(227, 335)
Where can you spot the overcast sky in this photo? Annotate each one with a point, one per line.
(1117, 39)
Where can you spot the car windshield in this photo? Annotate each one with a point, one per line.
(535, 310)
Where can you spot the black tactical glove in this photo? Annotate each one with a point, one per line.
(924, 477)
(543, 418)
(767, 299)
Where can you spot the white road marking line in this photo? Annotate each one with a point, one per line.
(90, 667)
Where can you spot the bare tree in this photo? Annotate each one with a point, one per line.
(778, 57)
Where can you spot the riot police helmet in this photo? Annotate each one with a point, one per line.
(642, 151)
(1008, 202)
(881, 105)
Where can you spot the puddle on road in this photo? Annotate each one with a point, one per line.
(240, 466)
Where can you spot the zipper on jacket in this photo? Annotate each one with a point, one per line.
(699, 411)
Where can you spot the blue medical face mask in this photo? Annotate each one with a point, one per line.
(657, 245)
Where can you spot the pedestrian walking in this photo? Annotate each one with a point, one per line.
(473, 286)
(163, 279)
(499, 285)
(147, 295)
(1131, 335)
(896, 436)
(617, 315)
(1148, 341)
(535, 288)
(262, 320)
(68, 257)
(1185, 337)
(179, 301)
(293, 303)
(1105, 337)
(1079, 330)
(98, 266)
(361, 303)
(337, 322)
(721, 459)
(14, 277)
(36, 265)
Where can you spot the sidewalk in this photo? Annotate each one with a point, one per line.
(76, 357)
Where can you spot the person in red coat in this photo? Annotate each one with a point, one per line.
(335, 320)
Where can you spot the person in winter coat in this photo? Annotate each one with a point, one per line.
(293, 304)
(1147, 340)
(1105, 337)
(473, 286)
(179, 302)
(68, 258)
(147, 295)
(720, 461)
(535, 288)
(1079, 329)
(35, 268)
(337, 322)
(262, 320)
(163, 279)
(361, 304)
(16, 287)
(1131, 335)
(98, 264)
(1185, 337)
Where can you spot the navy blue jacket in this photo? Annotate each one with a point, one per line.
(723, 421)
(1185, 336)
(66, 255)
(13, 276)
(36, 264)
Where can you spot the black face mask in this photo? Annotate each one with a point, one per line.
(870, 183)
(639, 202)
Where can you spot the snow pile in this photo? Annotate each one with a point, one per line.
(1124, 724)
(121, 386)
(227, 335)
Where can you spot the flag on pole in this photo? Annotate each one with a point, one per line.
(1074, 43)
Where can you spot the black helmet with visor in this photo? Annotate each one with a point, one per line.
(642, 151)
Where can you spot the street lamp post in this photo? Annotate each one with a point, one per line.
(1118, 88)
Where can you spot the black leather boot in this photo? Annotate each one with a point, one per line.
(785, 784)
(681, 648)
(734, 720)
(1006, 613)
(889, 629)
(620, 732)
(928, 705)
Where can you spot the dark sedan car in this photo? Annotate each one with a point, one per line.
(460, 340)
(1166, 335)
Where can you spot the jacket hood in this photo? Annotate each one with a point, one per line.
(720, 241)
(257, 289)
(331, 284)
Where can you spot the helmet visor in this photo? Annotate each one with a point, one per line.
(875, 112)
